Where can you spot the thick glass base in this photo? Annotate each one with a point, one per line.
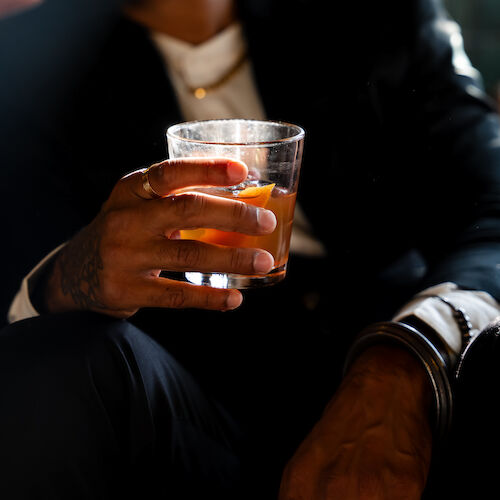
(241, 281)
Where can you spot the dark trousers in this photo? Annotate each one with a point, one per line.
(92, 407)
(204, 405)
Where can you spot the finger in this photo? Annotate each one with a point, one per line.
(168, 176)
(186, 255)
(162, 292)
(198, 210)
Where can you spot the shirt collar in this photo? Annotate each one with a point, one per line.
(202, 64)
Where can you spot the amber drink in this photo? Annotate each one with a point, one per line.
(273, 152)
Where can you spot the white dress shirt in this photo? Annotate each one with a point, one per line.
(193, 66)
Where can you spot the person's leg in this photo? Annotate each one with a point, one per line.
(92, 407)
(274, 362)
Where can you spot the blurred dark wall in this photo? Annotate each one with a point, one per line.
(480, 21)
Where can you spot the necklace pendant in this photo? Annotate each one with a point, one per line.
(200, 93)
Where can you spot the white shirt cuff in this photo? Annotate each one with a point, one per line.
(21, 307)
(481, 308)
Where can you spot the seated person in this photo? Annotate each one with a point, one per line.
(398, 220)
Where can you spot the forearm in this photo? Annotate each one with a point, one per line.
(64, 280)
(75, 277)
(394, 378)
(373, 437)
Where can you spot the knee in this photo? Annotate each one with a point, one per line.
(65, 402)
(63, 374)
(66, 337)
(70, 325)
(81, 356)
(54, 350)
(65, 363)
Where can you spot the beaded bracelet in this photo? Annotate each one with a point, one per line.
(464, 325)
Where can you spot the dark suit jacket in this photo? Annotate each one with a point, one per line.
(402, 150)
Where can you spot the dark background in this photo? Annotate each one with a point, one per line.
(480, 21)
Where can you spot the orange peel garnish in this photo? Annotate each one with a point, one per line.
(257, 196)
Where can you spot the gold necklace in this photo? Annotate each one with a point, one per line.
(201, 92)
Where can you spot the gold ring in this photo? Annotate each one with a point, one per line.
(147, 186)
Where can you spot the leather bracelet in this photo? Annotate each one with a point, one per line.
(434, 360)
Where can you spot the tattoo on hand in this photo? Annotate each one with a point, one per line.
(80, 264)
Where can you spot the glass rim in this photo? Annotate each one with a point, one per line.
(300, 133)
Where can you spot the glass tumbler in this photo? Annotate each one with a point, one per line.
(272, 152)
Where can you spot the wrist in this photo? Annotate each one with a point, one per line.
(51, 296)
(432, 359)
(37, 295)
(390, 366)
(40, 280)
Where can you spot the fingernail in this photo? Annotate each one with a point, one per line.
(263, 262)
(234, 300)
(236, 171)
(266, 219)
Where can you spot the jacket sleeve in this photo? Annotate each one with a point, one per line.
(460, 232)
